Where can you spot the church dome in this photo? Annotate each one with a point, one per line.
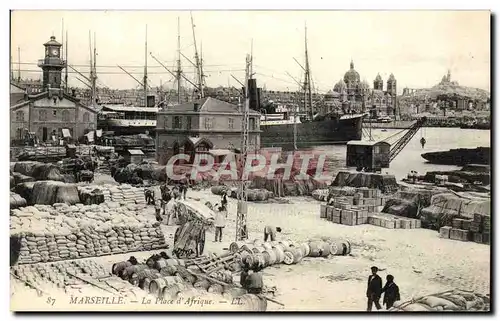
(391, 78)
(378, 78)
(351, 76)
(340, 86)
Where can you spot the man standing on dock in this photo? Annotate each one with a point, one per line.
(220, 222)
(374, 289)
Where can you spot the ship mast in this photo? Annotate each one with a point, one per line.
(18, 64)
(145, 81)
(92, 81)
(179, 70)
(95, 72)
(307, 80)
(197, 60)
(66, 58)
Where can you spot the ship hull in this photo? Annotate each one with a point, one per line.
(316, 133)
(460, 157)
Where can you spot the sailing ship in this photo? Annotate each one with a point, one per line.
(291, 131)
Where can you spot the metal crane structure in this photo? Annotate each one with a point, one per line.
(241, 214)
(398, 146)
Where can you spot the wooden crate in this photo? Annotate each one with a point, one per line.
(345, 206)
(336, 212)
(405, 224)
(466, 224)
(475, 227)
(336, 220)
(418, 223)
(370, 201)
(486, 238)
(388, 223)
(374, 220)
(478, 237)
(486, 224)
(362, 220)
(444, 232)
(329, 213)
(322, 211)
(456, 223)
(478, 218)
(349, 217)
(372, 209)
(459, 235)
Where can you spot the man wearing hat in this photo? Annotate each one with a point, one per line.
(374, 290)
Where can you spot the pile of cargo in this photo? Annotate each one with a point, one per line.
(123, 194)
(80, 276)
(171, 279)
(476, 229)
(252, 194)
(52, 233)
(392, 221)
(449, 301)
(263, 254)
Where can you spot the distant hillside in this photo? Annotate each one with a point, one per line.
(453, 90)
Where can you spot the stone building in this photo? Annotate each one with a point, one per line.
(356, 95)
(50, 111)
(202, 125)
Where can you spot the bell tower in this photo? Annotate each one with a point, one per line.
(52, 65)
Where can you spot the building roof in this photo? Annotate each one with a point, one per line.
(135, 152)
(220, 152)
(366, 143)
(45, 94)
(351, 76)
(198, 140)
(208, 105)
(52, 42)
(122, 108)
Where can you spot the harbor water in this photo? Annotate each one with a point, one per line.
(438, 139)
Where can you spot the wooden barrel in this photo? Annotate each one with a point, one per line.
(137, 276)
(171, 292)
(274, 243)
(257, 242)
(202, 284)
(293, 255)
(319, 249)
(146, 282)
(256, 261)
(185, 275)
(168, 270)
(305, 249)
(119, 267)
(216, 288)
(132, 269)
(340, 248)
(258, 249)
(247, 248)
(156, 286)
(234, 292)
(236, 246)
(269, 257)
(287, 243)
(251, 302)
(267, 245)
(280, 254)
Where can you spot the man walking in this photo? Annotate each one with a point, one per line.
(391, 292)
(374, 289)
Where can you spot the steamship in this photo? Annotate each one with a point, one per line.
(277, 130)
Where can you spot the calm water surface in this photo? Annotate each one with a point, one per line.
(438, 139)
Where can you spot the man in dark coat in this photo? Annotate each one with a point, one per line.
(374, 289)
(391, 292)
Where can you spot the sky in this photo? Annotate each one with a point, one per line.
(418, 47)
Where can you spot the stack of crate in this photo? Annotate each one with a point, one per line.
(392, 221)
(343, 211)
(476, 229)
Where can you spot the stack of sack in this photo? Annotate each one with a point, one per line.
(454, 300)
(52, 233)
